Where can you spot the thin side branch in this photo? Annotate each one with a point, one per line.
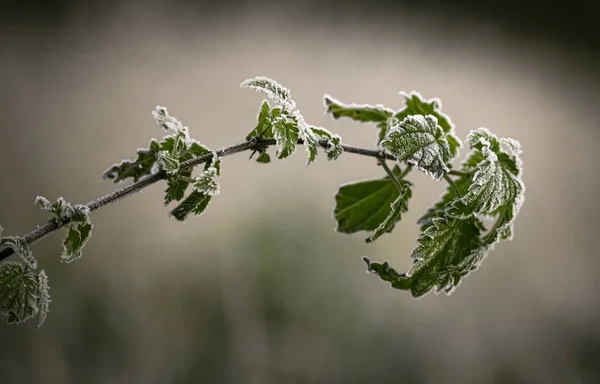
(134, 188)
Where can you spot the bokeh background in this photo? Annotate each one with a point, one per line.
(260, 289)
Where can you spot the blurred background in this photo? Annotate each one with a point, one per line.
(260, 289)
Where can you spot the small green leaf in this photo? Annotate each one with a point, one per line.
(286, 136)
(415, 104)
(272, 89)
(446, 252)
(420, 141)
(19, 292)
(195, 203)
(360, 112)
(364, 205)
(398, 207)
(43, 302)
(176, 187)
(196, 149)
(262, 129)
(78, 234)
(310, 141)
(263, 158)
(321, 132)
(142, 166)
(334, 147)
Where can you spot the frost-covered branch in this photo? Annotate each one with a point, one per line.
(134, 188)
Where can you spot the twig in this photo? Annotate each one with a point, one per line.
(134, 188)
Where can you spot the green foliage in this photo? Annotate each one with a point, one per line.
(452, 243)
(365, 205)
(23, 293)
(415, 104)
(420, 141)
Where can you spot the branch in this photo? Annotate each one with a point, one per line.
(119, 194)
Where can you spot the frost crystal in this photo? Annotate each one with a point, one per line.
(420, 141)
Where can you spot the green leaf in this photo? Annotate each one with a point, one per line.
(196, 149)
(195, 203)
(398, 207)
(142, 166)
(446, 252)
(334, 147)
(263, 158)
(168, 162)
(78, 234)
(420, 141)
(286, 136)
(321, 132)
(272, 89)
(495, 182)
(43, 302)
(19, 292)
(262, 129)
(364, 205)
(176, 187)
(360, 112)
(310, 143)
(463, 182)
(415, 104)
(21, 248)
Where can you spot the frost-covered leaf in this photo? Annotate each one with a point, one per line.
(321, 132)
(364, 205)
(263, 127)
(167, 162)
(195, 203)
(176, 186)
(207, 182)
(21, 248)
(272, 89)
(364, 113)
(135, 169)
(495, 182)
(310, 142)
(463, 182)
(19, 292)
(420, 141)
(398, 207)
(170, 124)
(334, 147)
(445, 253)
(415, 104)
(286, 136)
(78, 235)
(263, 158)
(43, 302)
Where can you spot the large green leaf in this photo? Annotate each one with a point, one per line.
(415, 104)
(446, 252)
(365, 205)
(420, 141)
